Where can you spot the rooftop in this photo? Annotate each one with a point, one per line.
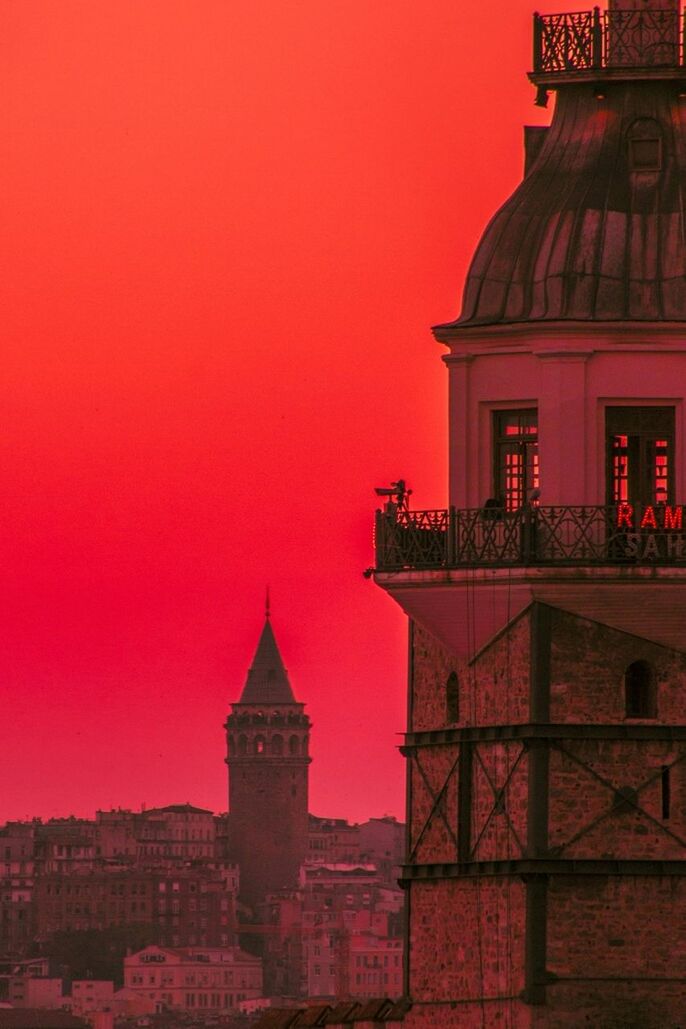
(595, 232)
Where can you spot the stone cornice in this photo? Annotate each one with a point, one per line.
(562, 341)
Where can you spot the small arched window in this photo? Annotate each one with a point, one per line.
(645, 145)
(277, 745)
(259, 744)
(452, 698)
(293, 746)
(242, 744)
(640, 694)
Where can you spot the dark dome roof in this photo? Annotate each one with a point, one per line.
(587, 236)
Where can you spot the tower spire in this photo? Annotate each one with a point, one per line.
(267, 681)
(268, 736)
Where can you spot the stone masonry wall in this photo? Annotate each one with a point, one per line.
(588, 662)
(466, 943)
(268, 824)
(494, 687)
(615, 945)
(616, 952)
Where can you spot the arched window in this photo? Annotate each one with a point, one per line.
(645, 145)
(293, 746)
(259, 744)
(640, 695)
(277, 745)
(242, 744)
(452, 698)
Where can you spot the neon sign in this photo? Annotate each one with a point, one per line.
(655, 531)
(667, 517)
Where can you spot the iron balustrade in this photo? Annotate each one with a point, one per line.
(597, 40)
(490, 537)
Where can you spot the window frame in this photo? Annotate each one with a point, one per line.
(500, 440)
(646, 430)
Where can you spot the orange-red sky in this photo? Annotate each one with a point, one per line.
(227, 226)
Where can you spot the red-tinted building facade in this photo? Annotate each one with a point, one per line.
(183, 908)
(546, 744)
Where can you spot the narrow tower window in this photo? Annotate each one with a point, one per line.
(516, 456)
(259, 744)
(293, 746)
(639, 691)
(452, 698)
(277, 745)
(666, 792)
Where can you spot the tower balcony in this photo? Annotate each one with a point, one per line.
(595, 44)
(465, 574)
(489, 537)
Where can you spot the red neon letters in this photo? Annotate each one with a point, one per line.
(666, 517)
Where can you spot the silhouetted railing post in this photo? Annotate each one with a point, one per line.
(451, 531)
(682, 55)
(525, 521)
(597, 47)
(538, 42)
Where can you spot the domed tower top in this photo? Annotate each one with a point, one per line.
(567, 366)
(596, 230)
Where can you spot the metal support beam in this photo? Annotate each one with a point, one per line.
(464, 803)
(552, 731)
(539, 669)
(522, 867)
(536, 946)
(539, 750)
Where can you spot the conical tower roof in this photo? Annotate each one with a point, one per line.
(267, 681)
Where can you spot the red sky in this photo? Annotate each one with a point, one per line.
(227, 226)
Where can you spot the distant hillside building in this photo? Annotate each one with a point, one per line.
(332, 840)
(268, 735)
(195, 979)
(17, 870)
(319, 938)
(183, 907)
(177, 832)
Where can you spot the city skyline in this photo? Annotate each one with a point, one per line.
(227, 232)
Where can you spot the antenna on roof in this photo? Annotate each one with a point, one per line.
(267, 606)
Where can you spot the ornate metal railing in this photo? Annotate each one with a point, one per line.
(595, 40)
(489, 537)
